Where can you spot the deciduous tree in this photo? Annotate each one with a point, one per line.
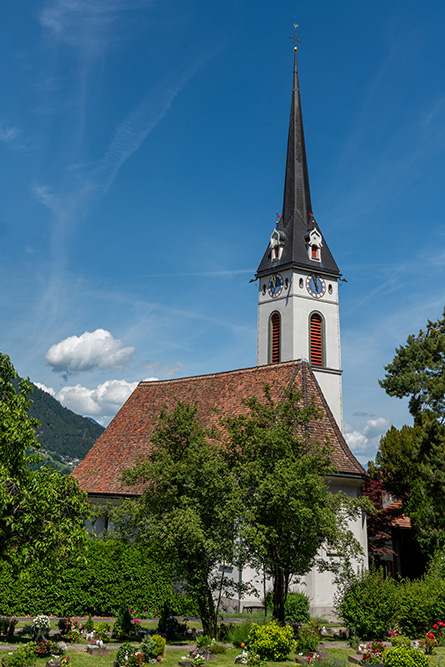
(188, 508)
(42, 513)
(289, 515)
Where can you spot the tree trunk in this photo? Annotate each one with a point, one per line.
(278, 595)
(207, 613)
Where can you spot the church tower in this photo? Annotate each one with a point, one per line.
(298, 309)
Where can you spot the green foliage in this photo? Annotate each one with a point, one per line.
(404, 656)
(420, 603)
(369, 605)
(152, 646)
(89, 625)
(112, 571)
(61, 430)
(239, 633)
(23, 656)
(400, 640)
(271, 641)
(124, 620)
(41, 512)
(217, 649)
(124, 652)
(307, 640)
(296, 608)
(188, 508)
(103, 631)
(412, 460)
(288, 515)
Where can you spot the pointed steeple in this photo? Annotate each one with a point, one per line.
(293, 230)
(297, 196)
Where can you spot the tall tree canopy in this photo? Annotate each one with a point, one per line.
(42, 513)
(411, 460)
(251, 491)
(189, 507)
(418, 371)
(288, 513)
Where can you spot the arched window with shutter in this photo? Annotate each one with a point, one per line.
(275, 338)
(316, 340)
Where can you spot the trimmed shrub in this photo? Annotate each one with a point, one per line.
(369, 605)
(113, 571)
(296, 608)
(405, 656)
(271, 642)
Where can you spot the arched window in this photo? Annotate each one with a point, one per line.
(314, 250)
(316, 351)
(275, 339)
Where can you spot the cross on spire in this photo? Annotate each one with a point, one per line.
(296, 41)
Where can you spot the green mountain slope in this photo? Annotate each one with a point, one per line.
(62, 431)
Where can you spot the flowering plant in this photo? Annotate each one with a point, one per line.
(44, 647)
(41, 624)
(373, 653)
(135, 660)
(439, 632)
(313, 658)
(427, 645)
(197, 656)
(64, 661)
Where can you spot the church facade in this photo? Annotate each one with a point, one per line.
(298, 345)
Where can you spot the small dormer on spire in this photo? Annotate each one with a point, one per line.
(277, 242)
(314, 242)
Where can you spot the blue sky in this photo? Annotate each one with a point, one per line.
(142, 152)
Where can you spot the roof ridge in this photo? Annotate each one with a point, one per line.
(291, 362)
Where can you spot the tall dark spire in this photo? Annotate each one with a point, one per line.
(297, 196)
(296, 223)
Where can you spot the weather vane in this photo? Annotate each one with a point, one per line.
(296, 41)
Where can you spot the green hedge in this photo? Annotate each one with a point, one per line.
(372, 605)
(113, 572)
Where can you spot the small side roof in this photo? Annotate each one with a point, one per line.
(128, 435)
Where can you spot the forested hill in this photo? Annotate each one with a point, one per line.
(61, 430)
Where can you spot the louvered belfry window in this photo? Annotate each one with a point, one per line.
(316, 340)
(275, 334)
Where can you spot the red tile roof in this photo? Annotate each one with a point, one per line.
(128, 435)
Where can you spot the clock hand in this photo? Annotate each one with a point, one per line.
(274, 281)
(316, 283)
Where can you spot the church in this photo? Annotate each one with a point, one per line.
(298, 345)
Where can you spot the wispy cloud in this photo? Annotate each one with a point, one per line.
(85, 23)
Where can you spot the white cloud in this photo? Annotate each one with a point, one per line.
(102, 403)
(49, 390)
(365, 440)
(376, 427)
(97, 349)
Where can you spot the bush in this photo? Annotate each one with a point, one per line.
(369, 605)
(405, 656)
(152, 646)
(271, 642)
(400, 640)
(307, 640)
(420, 604)
(217, 649)
(239, 633)
(125, 651)
(296, 608)
(23, 656)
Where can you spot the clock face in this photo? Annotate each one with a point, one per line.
(275, 285)
(316, 286)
